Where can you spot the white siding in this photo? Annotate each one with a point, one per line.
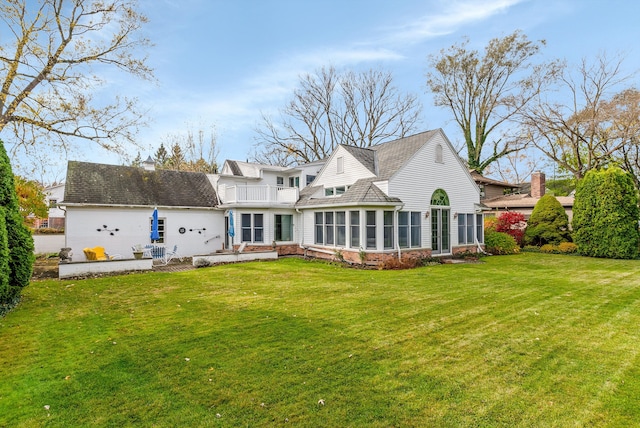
(422, 175)
(133, 228)
(353, 170)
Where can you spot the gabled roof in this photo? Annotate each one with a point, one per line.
(393, 155)
(481, 179)
(365, 156)
(249, 169)
(99, 184)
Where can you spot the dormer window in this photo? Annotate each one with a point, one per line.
(340, 190)
(340, 165)
(439, 154)
(329, 191)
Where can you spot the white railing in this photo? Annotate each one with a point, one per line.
(263, 194)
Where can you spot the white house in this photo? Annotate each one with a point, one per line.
(411, 196)
(111, 206)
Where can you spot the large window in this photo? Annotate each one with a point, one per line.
(328, 228)
(416, 226)
(388, 229)
(252, 227)
(283, 227)
(341, 229)
(319, 226)
(161, 229)
(409, 229)
(371, 229)
(355, 228)
(480, 228)
(331, 228)
(467, 227)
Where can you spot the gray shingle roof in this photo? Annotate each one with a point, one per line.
(91, 183)
(362, 192)
(394, 154)
(365, 156)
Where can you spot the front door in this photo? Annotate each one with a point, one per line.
(440, 231)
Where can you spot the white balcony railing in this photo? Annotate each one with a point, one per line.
(266, 194)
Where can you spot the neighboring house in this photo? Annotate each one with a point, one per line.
(111, 206)
(525, 200)
(412, 196)
(490, 188)
(55, 218)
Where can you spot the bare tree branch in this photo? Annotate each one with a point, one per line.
(46, 81)
(329, 109)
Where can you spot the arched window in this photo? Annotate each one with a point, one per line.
(439, 153)
(440, 198)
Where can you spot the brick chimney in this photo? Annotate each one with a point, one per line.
(537, 184)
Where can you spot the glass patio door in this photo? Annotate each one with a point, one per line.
(440, 231)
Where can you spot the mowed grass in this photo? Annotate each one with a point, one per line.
(525, 340)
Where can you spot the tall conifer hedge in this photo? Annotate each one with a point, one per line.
(605, 215)
(19, 239)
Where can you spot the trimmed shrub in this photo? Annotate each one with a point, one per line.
(605, 215)
(567, 247)
(548, 224)
(490, 224)
(500, 243)
(512, 223)
(4, 261)
(19, 240)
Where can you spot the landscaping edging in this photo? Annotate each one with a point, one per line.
(74, 269)
(212, 259)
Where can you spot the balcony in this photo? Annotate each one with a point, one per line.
(264, 194)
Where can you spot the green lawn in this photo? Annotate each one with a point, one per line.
(525, 340)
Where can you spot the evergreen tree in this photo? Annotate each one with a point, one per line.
(548, 224)
(4, 262)
(19, 239)
(605, 215)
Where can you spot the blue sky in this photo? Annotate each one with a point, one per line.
(223, 62)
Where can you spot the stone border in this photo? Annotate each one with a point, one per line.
(75, 269)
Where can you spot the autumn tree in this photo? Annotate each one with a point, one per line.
(330, 108)
(485, 92)
(51, 56)
(596, 123)
(31, 199)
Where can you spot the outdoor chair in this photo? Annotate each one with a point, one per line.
(171, 254)
(157, 252)
(98, 253)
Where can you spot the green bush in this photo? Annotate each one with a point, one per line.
(19, 240)
(4, 261)
(548, 223)
(500, 243)
(605, 215)
(567, 247)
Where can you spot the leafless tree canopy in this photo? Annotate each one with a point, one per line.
(485, 92)
(593, 123)
(49, 53)
(328, 109)
(194, 150)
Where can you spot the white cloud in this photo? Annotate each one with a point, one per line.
(450, 19)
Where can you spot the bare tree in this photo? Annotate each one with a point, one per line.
(329, 109)
(485, 92)
(47, 75)
(592, 125)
